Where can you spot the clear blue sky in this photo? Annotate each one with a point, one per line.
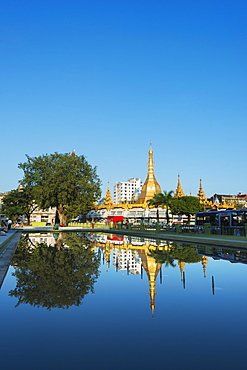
(106, 78)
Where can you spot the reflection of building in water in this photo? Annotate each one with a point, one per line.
(204, 265)
(134, 253)
(219, 253)
(124, 241)
(127, 260)
(152, 269)
(181, 268)
(43, 238)
(50, 239)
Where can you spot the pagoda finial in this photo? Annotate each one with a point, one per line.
(179, 191)
(201, 195)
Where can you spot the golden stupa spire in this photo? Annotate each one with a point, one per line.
(179, 191)
(108, 198)
(151, 185)
(201, 195)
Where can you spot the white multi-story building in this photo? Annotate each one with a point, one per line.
(127, 191)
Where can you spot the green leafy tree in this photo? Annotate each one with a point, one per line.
(186, 205)
(67, 182)
(18, 203)
(53, 277)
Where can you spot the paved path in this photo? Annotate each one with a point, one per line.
(8, 245)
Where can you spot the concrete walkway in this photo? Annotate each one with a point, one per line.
(8, 245)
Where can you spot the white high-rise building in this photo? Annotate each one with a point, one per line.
(127, 191)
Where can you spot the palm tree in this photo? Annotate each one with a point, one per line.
(156, 201)
(162, 200)
(167, 196)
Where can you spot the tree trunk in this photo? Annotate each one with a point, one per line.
(167, 215)
(158, 216)
(28, 218)
(61, 215)
(60, 241)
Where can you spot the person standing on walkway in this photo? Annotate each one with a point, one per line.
(9, 224)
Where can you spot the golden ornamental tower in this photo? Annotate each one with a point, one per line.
(179, 191)
(201, 195)
(108, 199)
(151, 185)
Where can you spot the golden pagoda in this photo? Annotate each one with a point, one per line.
(151, 185)
(201, 195)
(179, 191)
(108, 199)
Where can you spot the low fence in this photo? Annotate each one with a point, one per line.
(206, 229)
(91, 225)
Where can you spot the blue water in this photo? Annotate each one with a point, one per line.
(194, 325)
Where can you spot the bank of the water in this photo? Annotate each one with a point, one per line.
(221, 240)
(8, 244)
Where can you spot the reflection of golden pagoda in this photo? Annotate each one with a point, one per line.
(204, 265)
(181, 268)
(152, 269)
(107, 254)
(151, 185)
(179, 191)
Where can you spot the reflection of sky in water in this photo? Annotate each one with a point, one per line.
(114, 329)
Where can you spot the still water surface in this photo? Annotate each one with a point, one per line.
(110, 302)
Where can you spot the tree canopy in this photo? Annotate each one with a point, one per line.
(67, 182)
(180, 252)
(19, 202)
(186, 205)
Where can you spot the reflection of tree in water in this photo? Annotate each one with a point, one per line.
(162, 257)
(54, 277)
(181, 252)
